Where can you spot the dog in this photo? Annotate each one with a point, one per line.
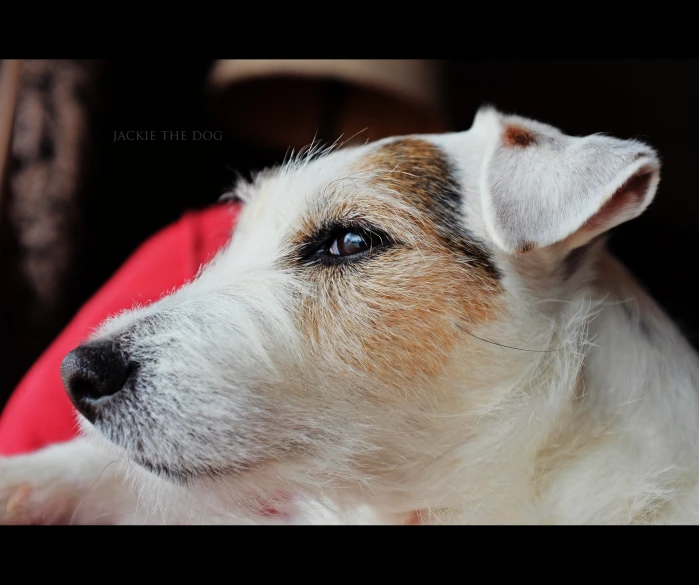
(426, 329)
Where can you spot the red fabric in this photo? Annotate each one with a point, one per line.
(39, 412)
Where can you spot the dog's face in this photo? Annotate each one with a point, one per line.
(358, 322)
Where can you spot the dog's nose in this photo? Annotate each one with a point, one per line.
(95, 370)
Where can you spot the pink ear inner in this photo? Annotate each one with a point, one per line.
(620, 207)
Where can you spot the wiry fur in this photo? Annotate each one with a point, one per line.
(492, 365)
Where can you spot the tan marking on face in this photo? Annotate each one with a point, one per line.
(517, 136)
(399, 316)
(417, 169)
(396, 317)
(419, 173)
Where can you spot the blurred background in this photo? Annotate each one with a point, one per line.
(79, 193)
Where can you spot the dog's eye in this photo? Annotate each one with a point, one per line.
(348, 243)
(345, 243)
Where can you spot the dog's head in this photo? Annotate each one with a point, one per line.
(365, 315)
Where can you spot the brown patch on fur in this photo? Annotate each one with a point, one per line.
(526, 247)
(417, 169)
(421, 173)
(399, 318)
(412, 325)
(517, 136)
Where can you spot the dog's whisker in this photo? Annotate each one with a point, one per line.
(89, 490)
(510, 346)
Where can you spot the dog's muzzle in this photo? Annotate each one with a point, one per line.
(93, 373)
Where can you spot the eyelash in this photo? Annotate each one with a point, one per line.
(316, 250)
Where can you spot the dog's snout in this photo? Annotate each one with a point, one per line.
(95, 370)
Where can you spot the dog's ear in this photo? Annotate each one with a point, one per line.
(539, 187)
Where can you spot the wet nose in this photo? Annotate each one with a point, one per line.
(95, 370)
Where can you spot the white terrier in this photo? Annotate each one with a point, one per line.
(425, 329)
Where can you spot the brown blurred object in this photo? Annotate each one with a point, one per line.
(287, 103)
(40, 210)
(10, 70)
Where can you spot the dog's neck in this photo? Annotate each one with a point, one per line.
(615, 440)
(632, 443)
(637, 351)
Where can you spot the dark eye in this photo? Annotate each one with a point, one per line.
(345, 243)
(348, 243)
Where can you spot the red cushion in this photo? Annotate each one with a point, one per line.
(39, 412)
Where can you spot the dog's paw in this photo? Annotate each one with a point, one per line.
(30, 494)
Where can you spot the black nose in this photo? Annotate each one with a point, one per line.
(95, 370)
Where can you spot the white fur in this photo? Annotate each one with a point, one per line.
(576, 404)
